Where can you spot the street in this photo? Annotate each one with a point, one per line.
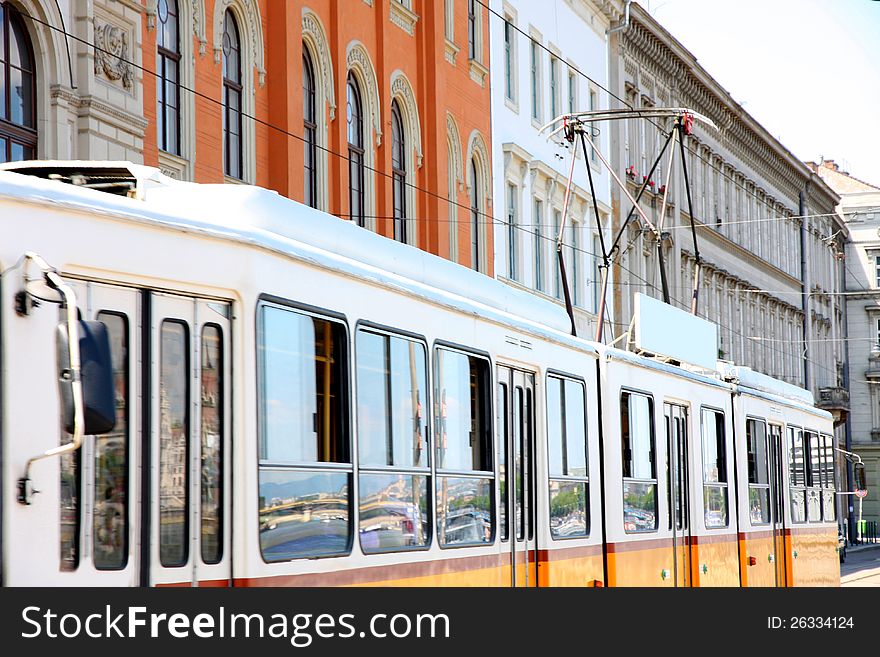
(862, 567)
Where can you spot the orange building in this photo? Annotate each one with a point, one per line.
(376, 111)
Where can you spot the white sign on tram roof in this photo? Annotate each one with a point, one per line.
(663, 330)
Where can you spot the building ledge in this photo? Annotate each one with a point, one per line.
(451, 51)
(403, 17)
(478, 72)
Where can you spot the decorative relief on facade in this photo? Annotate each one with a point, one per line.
(314, 35)
(195, 8)
(248, 14)
(359, 61)
(112, 53)
(455, 147)
(403, 17)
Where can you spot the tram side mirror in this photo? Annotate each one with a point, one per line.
(96, 373)
(860, 480)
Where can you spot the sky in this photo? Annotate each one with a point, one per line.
(807, 70)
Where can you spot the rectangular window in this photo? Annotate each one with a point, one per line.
(509, 65)
(829, 485)
(501, 417)
(639, 462)
(714, 468)
(797, 475)
(511, 231)
(213, 429)
(877, 270)
(472, 29)
(812, 443)
(535, 71)
(110, 528)
(305, 464)
(572, 91)
(554, 87)
(174, 422)
(392, 384)
(596, 259)
(537, 220)
(594, 105)
(567, 453)
(69, 506)
(462, 392)
(557, 226)
(759, 473)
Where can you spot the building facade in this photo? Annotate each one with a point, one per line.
(547, 59)
(376, 111)
(860, 208)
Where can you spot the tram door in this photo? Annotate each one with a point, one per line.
(679, 520)
(190, 453)
(777, 504)
(516, 458)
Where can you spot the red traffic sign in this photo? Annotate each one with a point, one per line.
(861, 493)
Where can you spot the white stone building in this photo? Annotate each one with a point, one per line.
(860, 208)
(548, 58)
(67, 99)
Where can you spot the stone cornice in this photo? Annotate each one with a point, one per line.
(123, 118)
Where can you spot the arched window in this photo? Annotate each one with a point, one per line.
(398, 168)
(168, 80)
(18, 114)
(475, 217)
(232, 97)
(310, 131)
(355, 116)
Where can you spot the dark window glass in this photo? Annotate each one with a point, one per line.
(355, 118)
(398, 168)
(759, 473)
(168, 77)
(797, 475)
(829, 485)
(508, 59)
(476, 203)
(714, 469)
(502, 411)
(812, 444)
(464, 445)
(212, 392)
(567, 449)
(18, 114)
(232, 98)
(472, 29)
(310, 131)
(111, 460)
(639, 462)
(173, 443)
(69, 504)
(304, 507)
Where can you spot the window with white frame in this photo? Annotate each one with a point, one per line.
(535, 73)
(877, 270)
(554, 86)
(594, 105)
(572, 91)
(537, 219)
(512, 256)
(510, 68)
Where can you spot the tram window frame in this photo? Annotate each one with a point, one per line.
(312, 469)
(813, 464)
(626, 395)
(221, 456)
(374, 469)
(752, 472)
(721, 478)
(442, 474)
(565, 477)
(126, 422)
(502, 408)
(829, 478)
(797, 491)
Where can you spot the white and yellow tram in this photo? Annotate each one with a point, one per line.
(301, 402)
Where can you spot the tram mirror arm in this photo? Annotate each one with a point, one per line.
(85, 376)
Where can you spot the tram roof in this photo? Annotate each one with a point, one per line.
(263, 218)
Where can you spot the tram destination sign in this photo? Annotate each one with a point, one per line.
(664, 330)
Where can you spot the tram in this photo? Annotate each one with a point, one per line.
(290, 400)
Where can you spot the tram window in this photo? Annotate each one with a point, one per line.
(464, 449)
(212, 396)
(797, 475)
(829, 486)
(567, 449)
(110, 518)
(305, 477)
(639, 464)
(759, 482)
(714, 469)
(503, 409)
(174, 444)
(392, 434)
(814, 476)
(69, 511)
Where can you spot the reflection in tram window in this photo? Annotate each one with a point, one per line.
(567, 453)
(714, 469)
(829, 485)
(502, 412)
(392, 387)
(305, 469)
(110, 519)
(639, 462)
(303, 514)
(464, 510)
(464, 449)
(797, 475)
(69, 463)
(212, 444)
(759, 473)
(393, 511)
(814, 477)
(174, 444)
